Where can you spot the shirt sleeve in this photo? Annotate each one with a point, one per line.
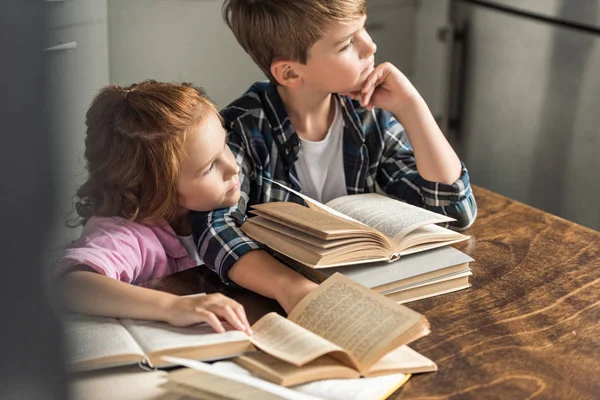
(398, 177)
(217, 234)
(114, 251)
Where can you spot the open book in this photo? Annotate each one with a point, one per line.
(347, 230)
(226, 380)
(339, 330)
(96, 342)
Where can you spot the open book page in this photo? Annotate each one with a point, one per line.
(378, 388)
(228, 383)
(157, 336)
(364, 323)
(337, 389)
(391, 217)
(403, 359)
(298, 235)
(282, 373)
(91, 338)
(427, 237)
(289, 342)
(306, 220)
(315, 205)
(124, 383)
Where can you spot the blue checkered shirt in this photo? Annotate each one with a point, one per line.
(377, 157)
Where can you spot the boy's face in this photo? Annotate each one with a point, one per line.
(208, 178)
(341, 60)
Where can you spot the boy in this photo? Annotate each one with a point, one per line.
(325, 125)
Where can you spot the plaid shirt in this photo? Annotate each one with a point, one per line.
(377, 157)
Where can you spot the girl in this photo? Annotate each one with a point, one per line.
(154, 152)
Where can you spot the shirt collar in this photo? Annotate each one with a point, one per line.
(285, 136)
(283, 132)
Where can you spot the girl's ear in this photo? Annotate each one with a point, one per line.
(285, 73)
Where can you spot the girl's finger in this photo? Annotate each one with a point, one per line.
(226, 312)
(211, 319)
(241, 313)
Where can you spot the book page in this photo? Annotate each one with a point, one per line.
(391, 217)
(315, 205)
(230, 384)
(282, 373)
(156, 336)
(287, 341)
(404, 360)
(124, 383)
(295, 234)
(426, 236)
(355, 318)
(307, 220)
(91, 338)
(354, 389)
(336, 389)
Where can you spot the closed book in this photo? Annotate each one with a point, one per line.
(413, 277)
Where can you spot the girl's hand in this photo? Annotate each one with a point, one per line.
(210, 308)
(386, 88)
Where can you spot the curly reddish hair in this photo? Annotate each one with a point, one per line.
(133, 147)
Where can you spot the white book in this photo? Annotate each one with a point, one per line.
(226, 380)
(427, 267)
(413, 277)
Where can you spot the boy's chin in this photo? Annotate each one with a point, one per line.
(231, 201)
(354, 88)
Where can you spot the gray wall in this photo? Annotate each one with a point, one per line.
(178, 40)
(76, 43)
(430, 54)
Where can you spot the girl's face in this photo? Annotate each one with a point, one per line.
(208, 179)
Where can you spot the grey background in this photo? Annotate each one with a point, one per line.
(31, 343)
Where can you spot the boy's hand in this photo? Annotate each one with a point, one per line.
(190, 310)
(386, 88)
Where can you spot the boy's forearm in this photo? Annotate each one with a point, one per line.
(436, 160)
(260, 272)
(91, 293)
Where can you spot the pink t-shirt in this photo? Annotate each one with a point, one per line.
(127, 251)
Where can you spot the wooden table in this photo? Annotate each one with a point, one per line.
(529, 327)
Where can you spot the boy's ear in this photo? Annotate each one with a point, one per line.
(285, 73)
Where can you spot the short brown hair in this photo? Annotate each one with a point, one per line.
(271, 30)
(133, 147)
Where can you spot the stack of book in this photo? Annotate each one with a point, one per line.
(414, 277)
(341, 330)
(392, 247)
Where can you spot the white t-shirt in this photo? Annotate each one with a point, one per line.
(320, 165)
(188, 243)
